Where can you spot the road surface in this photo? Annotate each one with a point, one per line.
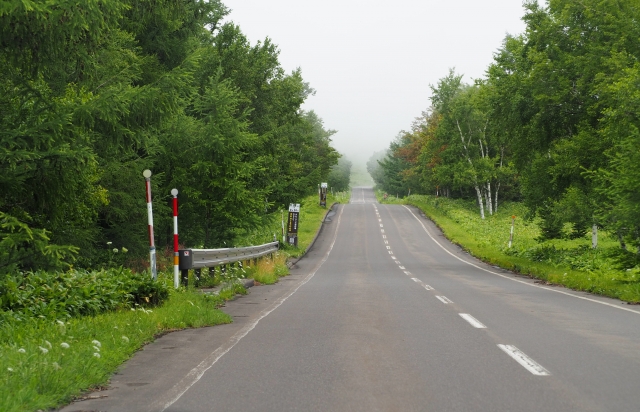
(384, 314)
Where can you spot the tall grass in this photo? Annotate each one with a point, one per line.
(607, 270)
(268, 270)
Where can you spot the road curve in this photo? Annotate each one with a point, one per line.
(385, 315)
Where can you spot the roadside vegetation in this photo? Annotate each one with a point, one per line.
(85, 107)
(571, 262)
(549, 134)
(65, 332)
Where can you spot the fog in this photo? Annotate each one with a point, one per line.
(371, 62)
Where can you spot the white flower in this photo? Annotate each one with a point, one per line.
(97, 355)
(115, 250)
(95, 342)
(61, 323)
(10, 369)
(21, 350)
(97, 349)
(65, 345)
(44, 350)
(124, 338)
(108, 243)
(46, 342)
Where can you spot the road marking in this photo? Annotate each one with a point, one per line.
(473, 321)
(528, 363)
(170, 397)
(390, 252)
(401, 267)
(388, 247)
(379, 220)
(386, 242)
(382, 230)
(427, 287)
(393, 257)
(406, 272)
(397, 261)
(384, 236)
(518, 280)
(416, 280)
(444, 299)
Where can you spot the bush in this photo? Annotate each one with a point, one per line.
(58, 295)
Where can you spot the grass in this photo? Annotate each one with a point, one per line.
(268, 271)
(607, 270)
(46, 363)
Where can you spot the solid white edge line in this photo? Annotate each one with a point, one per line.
(196, 373)
(518, 280)
(473, 321)
(524, 360)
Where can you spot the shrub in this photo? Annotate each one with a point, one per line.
(56, 295)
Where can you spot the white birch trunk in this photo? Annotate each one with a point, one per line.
(480, 202)
(489, 199)
(495, 204)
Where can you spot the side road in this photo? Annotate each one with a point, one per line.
(162, 369)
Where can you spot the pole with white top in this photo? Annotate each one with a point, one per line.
(176, 253)
(152, 243)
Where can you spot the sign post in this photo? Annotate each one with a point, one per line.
(323, 194)
(152, 243)
(292, 224)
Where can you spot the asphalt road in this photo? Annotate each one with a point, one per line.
(384, 314)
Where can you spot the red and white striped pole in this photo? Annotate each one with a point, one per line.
(176, 253)
(152, 243)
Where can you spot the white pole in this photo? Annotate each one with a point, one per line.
(152, 243)
(513, 222)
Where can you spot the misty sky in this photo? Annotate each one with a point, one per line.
(371, 62)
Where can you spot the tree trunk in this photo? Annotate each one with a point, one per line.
(489, 198)
(495, 204)
(480, 203)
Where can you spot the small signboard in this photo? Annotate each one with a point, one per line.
(323, 194)
(292, 224)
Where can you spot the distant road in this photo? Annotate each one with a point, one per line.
(385, 315)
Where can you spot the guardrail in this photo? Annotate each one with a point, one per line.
(207, 258)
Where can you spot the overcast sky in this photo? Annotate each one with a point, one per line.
(371, 62)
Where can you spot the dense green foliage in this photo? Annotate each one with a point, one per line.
(93, 92)
(62, 295)
(554, 123)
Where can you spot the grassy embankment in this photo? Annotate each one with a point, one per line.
(607, 270)
(46, 361)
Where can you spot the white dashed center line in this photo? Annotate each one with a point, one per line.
(402, 267)
(406, 272)
(427, 287)
(528, 363)
(416, 280)
(444, 299)
(388, 247)
(473, 321)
